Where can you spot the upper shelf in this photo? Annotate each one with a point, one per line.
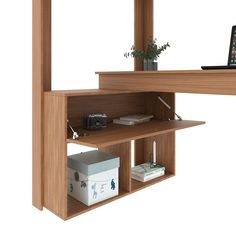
(180, 81)
(115, 134)
(87, 92)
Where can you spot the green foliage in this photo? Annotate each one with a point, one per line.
(152, 53)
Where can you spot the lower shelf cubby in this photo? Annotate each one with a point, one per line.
(127, 185)
(123, 151)
(75, 207)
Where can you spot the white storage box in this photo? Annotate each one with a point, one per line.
(93, 176)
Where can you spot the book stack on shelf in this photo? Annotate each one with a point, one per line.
(133, 119)
(147, 171)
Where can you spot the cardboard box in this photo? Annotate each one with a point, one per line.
(93, 176)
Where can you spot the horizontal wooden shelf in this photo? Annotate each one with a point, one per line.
(115, 134)
(180, 81)
(141, 72)
(88, 92)
(75, 207)
(137, 185)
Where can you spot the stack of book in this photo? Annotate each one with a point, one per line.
(146, 171)
(133, 119)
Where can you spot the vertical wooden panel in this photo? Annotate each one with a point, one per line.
(55, 154)
(155, 107)
(143, 27)
(138, 151)
(123, 151)
(165, 150)
(41, 82)
(138, 31)
(143, 31)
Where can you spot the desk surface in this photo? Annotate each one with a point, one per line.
(178, 81)
(169, 72)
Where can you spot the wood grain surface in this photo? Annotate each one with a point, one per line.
(165, 151)
(114, 105)
(89, 92)
(123, 151)
(55, 155)
(76, 207)
(41, 82)
(115, 134)
(143, 27)
(137, 185)
(154, 106)
(196, 81)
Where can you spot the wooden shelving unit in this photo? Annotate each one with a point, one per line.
(119, 94)
(116, 139)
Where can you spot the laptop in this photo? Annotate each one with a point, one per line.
(232, 54)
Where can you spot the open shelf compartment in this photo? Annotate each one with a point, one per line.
(116, 104)
(165, 154)
(127, 185)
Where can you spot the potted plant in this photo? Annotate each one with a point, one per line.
(149, 56)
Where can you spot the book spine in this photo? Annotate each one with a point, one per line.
(161, 173)
(153, 173)
(147, 176)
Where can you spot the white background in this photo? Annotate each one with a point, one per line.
(93, 35)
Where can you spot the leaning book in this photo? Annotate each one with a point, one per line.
(145, 172)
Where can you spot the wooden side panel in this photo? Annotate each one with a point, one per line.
(157, 108)
(143, 27)
(138, 151)
(124, 152)
(165, 150)
(55, 155)
(41, 82)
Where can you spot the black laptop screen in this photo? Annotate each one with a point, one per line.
(232, 49)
